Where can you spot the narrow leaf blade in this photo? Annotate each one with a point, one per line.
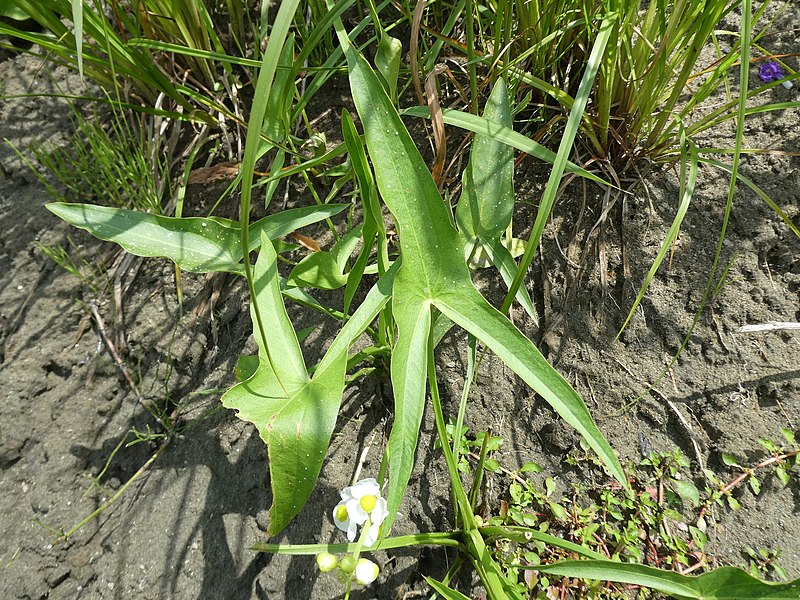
(723, 583)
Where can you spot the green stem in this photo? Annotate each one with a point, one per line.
(401, 541)
(121, 491)
(266, 77)
(487, 569)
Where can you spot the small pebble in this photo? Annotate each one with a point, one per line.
(262, 519)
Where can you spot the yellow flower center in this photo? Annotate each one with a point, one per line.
(341, 513)
(368, 503)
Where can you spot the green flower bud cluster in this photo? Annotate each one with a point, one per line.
(363, 570)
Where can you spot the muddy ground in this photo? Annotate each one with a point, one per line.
(184, 527)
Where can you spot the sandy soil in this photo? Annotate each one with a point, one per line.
(183, 529)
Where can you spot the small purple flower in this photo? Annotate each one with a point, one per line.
(770, 71)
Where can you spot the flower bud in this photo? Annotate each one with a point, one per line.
(366, 571)
(327, 562)
(347, 564)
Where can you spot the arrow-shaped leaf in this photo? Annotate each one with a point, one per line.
(434, 272)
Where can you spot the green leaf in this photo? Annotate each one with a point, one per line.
(408, 370)
(699, 537)
(294, 415)
(318, 270)
(768, 445)
(246, 367)
(12, 11)
(492, 465)
(477, 124)
(297, 430)
(195, 244)
(297, 426)
(373, 226)
(724, 583)
(730, 460)
(287, 221)
(503, 260)
(559, 512)
(780, 471)
(788, 435)
(469, 310)
(268, 314)
(486, 204)
(434, 273)
(326, 270)
(531, 467)
(376, 299)
(686, 490)
(387, 61)
(276, 116)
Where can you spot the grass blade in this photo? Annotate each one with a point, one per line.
(77, 21)
(687, 192)
(480, 125)
(564, 148)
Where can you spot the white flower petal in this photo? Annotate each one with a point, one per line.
(348, 525)
(343, 525)
(372, 535)
(352, 528)
(365, 487)
(379, 513)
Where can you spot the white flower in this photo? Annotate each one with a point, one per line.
(366, 571)
(360, 502)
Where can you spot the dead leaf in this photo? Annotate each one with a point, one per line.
(218, 172)
(306, 241)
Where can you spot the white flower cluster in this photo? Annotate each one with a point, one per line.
(361, 502)
(361, 505)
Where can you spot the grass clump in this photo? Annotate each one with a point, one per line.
(113, 163)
